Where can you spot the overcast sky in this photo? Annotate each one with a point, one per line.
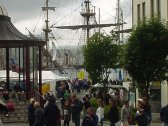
(28, 14)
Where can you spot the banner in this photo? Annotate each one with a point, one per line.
(45, 88)
(81, 75)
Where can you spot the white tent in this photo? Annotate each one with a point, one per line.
(48, 76)
(12, 75)
(98, 85)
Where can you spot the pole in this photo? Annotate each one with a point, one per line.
(99, 20)
(122, 34)
(87, 18)
(46, 32)
(118, 19)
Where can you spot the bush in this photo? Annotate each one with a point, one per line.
(106, 112)
(93, 102)
(132, 112)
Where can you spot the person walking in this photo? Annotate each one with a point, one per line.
(76, 108)
(86, 104)
(31, 111)
(52, 115)
(67, 112)
(39, 118)
(141, 117)
(164, 115)
(125, 113)
(113, 114)
(147, 109)
(100, 112)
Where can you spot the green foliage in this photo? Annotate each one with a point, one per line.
(106, 112)
(146, 52)
(121, 53)
(100, 54)
(94, 103)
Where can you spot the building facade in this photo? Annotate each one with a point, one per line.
(147, 8)
(142, 9)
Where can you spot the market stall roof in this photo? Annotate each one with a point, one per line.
(98, 85)
(50, 76)
(10, 36)
(13, 75)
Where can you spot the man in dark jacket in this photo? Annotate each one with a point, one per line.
(164, 115)
(52, 114)
(113, 114)
(76, 110)
(31, 111)
(147, 109)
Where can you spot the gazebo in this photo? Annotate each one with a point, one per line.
(27, 51)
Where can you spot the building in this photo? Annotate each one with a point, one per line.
(147, 8)
(142, 9)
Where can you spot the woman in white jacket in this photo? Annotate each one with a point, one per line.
(100, 112)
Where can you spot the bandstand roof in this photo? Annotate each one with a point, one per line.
(11, 37)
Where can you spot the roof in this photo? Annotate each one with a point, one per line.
(12, 75)
(50, 76)
(11, 37)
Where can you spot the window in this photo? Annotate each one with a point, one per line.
(143, 10)
(138, 13)
(152, 8)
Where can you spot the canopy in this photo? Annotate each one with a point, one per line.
(50, 76)
(98, 85)
(11, 37)
(12, 75)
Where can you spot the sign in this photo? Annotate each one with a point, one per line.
(81, 75)
(45, 88)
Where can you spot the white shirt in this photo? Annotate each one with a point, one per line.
(100, 113)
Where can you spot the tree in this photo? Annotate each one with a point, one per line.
(100, 54)
(146, 53)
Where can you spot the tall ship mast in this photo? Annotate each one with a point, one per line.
(49, 61)
(88, 12)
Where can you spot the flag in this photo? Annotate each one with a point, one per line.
(14, 65)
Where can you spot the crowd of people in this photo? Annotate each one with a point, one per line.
(48, 113)
(72, 107)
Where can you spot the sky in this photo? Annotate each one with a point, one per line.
(28, 14)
